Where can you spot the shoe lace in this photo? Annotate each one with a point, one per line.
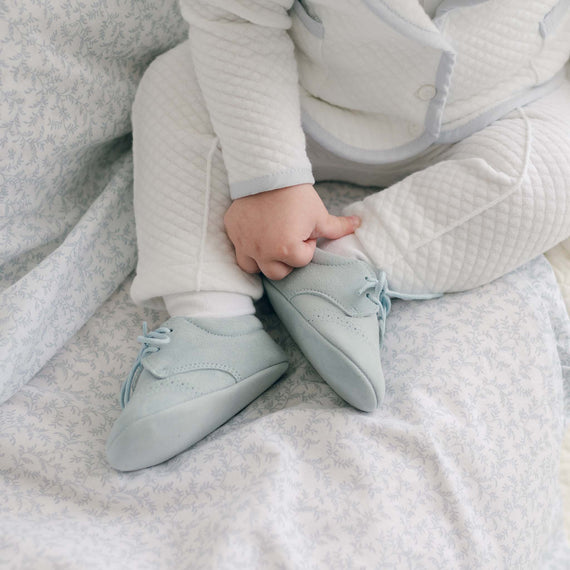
(151, 341)
(377, 291)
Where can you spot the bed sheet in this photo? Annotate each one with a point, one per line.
(459, 468)
(559, 258)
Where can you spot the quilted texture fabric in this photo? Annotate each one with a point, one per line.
(476, 210)
(499, 51)
(250, 68)
(380, 80)
(180, 196)
(490, 203)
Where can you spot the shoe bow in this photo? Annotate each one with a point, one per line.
(377, 291)
(151, 341)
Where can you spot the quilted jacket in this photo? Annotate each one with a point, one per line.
(374, 81)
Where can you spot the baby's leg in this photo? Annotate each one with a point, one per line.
(181, 195)
(212, 358)
(491, 203)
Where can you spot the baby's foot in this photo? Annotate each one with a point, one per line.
(333, 308)
(191, 376)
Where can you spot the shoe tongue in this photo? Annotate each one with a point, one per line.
(198, 336)
(327, 258)
(339, 279)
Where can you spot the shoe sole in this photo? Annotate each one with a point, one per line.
(338, 371)
(142, 444)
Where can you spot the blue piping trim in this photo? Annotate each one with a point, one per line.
(428, 37)
(418, 145)
(282, 179)
(491, 115)
(432, 123)
(553, 19)
(312, 23)
(448, 5)
(436, 106)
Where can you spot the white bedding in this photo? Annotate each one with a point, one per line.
(559, 258)
(459, 469)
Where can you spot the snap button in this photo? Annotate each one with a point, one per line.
(426, 92)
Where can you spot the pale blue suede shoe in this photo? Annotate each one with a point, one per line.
(335, 309)
(191, 376)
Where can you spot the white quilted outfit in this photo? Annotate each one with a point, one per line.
(465, 117)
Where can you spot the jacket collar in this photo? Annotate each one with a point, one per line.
(411, 20)
(448, 5)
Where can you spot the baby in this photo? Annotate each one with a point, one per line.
(461, 111)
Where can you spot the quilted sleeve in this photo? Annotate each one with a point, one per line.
(245, 64)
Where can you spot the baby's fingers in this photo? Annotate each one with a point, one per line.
(300, 254)
(275, 270)
(335, 227)
(246, 263)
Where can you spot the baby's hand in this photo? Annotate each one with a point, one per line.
(275, 231)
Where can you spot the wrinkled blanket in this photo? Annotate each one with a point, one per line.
(459, 469)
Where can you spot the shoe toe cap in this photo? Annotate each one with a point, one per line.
(348, 356)
(139, 436)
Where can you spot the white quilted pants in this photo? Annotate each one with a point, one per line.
(483, 207)
(491, 203)
(181, 190)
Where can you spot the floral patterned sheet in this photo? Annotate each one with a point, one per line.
(459, 468)
(559, 258)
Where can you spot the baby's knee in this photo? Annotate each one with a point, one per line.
(169, 92)
(169, 81)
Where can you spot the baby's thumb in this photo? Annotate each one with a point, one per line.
(334, 227)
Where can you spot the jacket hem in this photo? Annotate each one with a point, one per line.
(385, 156)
